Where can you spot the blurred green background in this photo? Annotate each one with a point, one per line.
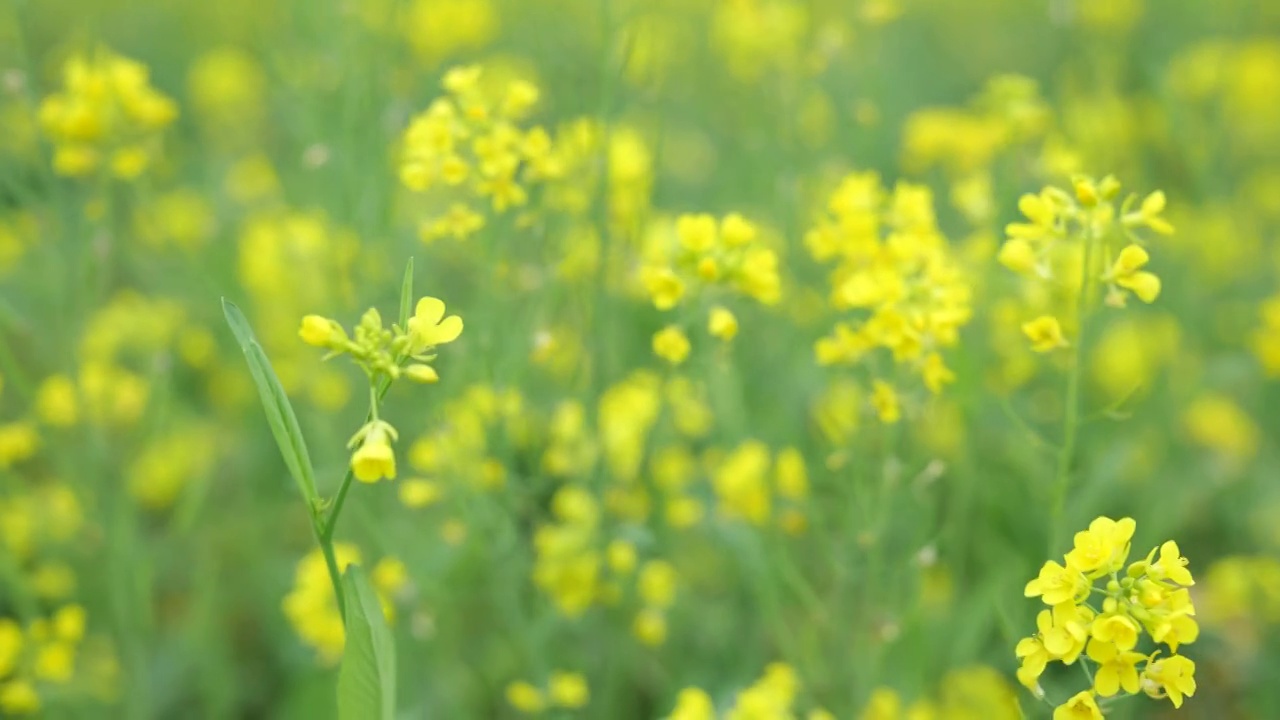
(141, 493)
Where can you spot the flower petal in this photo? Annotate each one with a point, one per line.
(448, 330)
(429, 311)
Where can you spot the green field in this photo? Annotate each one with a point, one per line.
(640, 359)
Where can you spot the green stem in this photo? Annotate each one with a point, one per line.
(331, 562)
(324, 525)
(1071, 418)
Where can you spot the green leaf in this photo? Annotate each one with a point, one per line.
(280, 415)
(367, 680)
(406, 296)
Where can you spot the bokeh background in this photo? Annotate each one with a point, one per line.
(698, 521)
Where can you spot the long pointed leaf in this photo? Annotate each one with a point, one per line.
(280, 415)
(367, 680)
(406, 295)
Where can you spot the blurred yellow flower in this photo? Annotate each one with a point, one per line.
(1045, 334)
(671, 344)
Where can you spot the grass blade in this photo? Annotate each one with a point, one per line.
(367, 680)
(406, 295)
(280, 415)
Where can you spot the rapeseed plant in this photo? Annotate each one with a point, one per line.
(748, 289)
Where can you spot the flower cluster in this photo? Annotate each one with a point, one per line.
(773, 695)
(566, 690)
(964, 693)
(896, 279)
(166, 465)
(1266, 337)
(577, 569)
(1008, 120)
(1150, 597)
(42, 654)
(745, 489)
(471, 144)
(290, 261)
(568, 563)
(385, 355)
(1071, 240)
(702, 262)
(106, 116)
(312, 609)
(463, 451)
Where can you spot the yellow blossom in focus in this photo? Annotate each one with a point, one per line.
(374, 459)
(1172, 677)
(1102, 548)
(1081, 706)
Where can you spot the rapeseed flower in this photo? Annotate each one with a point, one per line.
(1149, 598)
(107, 116)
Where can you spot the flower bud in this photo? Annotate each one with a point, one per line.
(320, 331)
(422, 373)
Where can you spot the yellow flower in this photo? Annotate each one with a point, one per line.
(18, 441)
(1057, 584)
(885, 401)
(722, 324)
(671, 345)
(657, 584)
(1172, 677)
(1045, 334)
(459, 222)
(1115, 628)
(759, 275)
(1171, 565)
(790, 474)
(1103, 548)
(375, 459)
(526, 698)
(1066, 635)
(1117, 668)
(18, 697)
(429, 327)
(693, 704)
(419, 493)
(650, 627)
(1170, 621)
(664, 287)
(697, 233)
(709, 269)
(736, 230)
(622, 557)
(1127, 273)
(568, 690)
(10, 645)
(1148, 215)
(1081, 706)
(884, 704)
(321, 332)
(1043, 211)
(1019, 256)
(56, 401)
(741, 484)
